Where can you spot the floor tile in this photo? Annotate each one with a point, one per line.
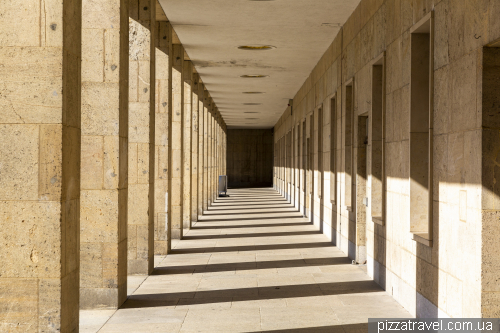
(251, 264)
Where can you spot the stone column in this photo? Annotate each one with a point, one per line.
(217, 173)
(276, 158)
(216, 155)
(219, 154)
(40, 91)
(223, 133)
(105, 68)
(194, 150)
(205, 151)
(214, 151)
(175, 143)
(163, 108)
(220, 146)
(141, 131)
(186, 143)
(201, 132)
(225, 149)
(210, 150)
(215, 180)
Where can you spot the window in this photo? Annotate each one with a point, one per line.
(333, 146)
(348, 138)
(421, 131)
(377, 141)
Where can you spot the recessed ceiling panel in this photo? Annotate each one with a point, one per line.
(241, 46)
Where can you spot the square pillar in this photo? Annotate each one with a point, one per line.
(40, 115)
(104, 171)
(206, 150)
(141, 148)
(218, 173)
(163, 109)
(224, 149)
(212, 189)
(186, 142)
(210, 148)
(175, 134)
(214, 154)
(216, 157)
(201, 155)
(194, 149)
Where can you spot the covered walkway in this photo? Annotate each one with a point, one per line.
(252, 263)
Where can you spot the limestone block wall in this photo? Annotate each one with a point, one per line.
(91, 137)
(186, 144)
(104, 154)
(141, 147)
(176, 142)
(359, 97)
(210, 141)
(40, 116)
(194, 150)
(249, 157)
(205, 150)
(201, 145)
(163, 109)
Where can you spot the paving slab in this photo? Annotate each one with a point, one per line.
(247, 266)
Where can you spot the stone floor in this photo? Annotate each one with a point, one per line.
(251, 264)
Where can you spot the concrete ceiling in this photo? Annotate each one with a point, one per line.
(212, 30)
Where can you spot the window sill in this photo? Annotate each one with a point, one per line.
(423, 238)
(378, 220)
(348, 208)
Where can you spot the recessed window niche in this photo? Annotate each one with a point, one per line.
(421, 115)
(348, 142)
(333, 147)
(320, 152)
(377, 141)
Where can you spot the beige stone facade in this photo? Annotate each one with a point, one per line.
(111, 148)
(396, 121)
(141, 147)
(40, 142)
(104, 154)
(89, 154)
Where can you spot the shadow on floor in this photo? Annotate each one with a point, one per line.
(289, 210)
(272, 202)
(196, 227)
(242, 266)
(216, 209)
(266, 234)
(252, 248)
(253, 218)
(349, 328)
(249, 294)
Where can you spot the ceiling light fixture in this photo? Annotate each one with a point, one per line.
(252, 103)
(256, 47)
(253, 76)
(253, 92)
(250, 112)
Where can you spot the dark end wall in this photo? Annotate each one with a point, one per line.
(250, 158)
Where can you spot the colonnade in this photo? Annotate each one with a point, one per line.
(111, 147)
